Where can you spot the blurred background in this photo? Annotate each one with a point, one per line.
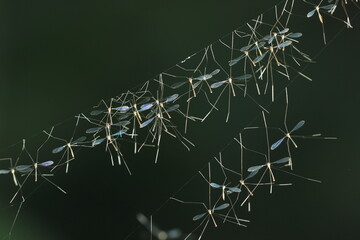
(59, 58)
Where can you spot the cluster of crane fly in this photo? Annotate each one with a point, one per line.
(131, 112)
(141, 117)
(247, 180)
(330, 9)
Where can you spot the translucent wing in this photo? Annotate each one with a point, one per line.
(298, 125)
(236, 60)
(174, 233)
(98, 141)
(258, 46)
(271, 39)
(255, 168)
(197, 217)
(234, 189)
(215, 185)
(266, 37)
(122, 108)
(122, 123)
(173, 108)
(59, 149)
(261, 44)
(218, 84)
(204, 77)
(328, 7)
(259, 58)
(177, 85)
(79, 140)
(311, 13)
(252, 174)
(24, 168)
(123, 116)
(147, 122)
(216, 71)
(93, 130)
(172, 98)
(3, 171)
(243, 77)
(221, 207)
(285, 30)
(195, 85)
(46, 164)
(294, 35)
(285, 44)
(150, 115)
(119, 133)
(277, 143)
(96, 112)
(282, 160)
(146, 106)
(246, 48)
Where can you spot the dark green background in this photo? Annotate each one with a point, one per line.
(59, 58)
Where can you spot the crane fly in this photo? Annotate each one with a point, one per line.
(329, 8)
(159, 121)
(68, 147)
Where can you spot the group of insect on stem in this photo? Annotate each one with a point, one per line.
(328, 8)
(258, 59)
(238, 186)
